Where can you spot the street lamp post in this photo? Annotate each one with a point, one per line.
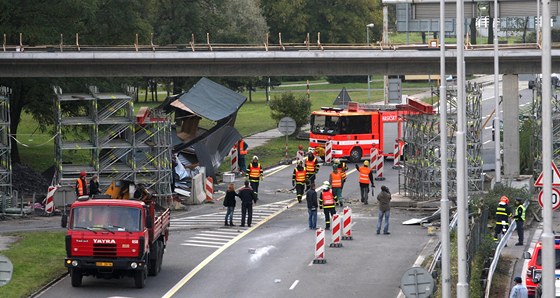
(368, 26)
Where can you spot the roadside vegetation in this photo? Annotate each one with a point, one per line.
(37, 257)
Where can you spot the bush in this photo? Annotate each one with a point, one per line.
(287, 105)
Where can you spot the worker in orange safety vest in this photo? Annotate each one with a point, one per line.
(365, 179)
(81, 185)
(336, 181)
(311, 167)
(298, 179)
(255, 174)
(327, 202)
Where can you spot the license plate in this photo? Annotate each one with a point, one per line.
(104, 264)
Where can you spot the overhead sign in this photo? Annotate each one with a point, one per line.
(555, 198)
(287, 126)
(555, 177)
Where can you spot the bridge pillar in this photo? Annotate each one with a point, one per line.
(510, 106)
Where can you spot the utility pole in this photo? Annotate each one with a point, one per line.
(497, 122)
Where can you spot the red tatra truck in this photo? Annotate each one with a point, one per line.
(117, 234)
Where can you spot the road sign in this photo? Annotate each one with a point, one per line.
(555, 198)
(417, 282)
(287, 126)
(555, 177)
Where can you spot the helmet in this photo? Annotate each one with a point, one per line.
(300, 162)
(310, 150)
(326, 185)
(366, 163)
(255, 157)
(504, 199)
(83, 173)
(336, 161)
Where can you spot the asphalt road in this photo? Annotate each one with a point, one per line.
(274, 257)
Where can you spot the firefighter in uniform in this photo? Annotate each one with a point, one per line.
(81, 185)
(336, 182)
(311, 167)
(503, 213)
(298, 179)
(519, 219)
(365, 179)
(342, 168)
(255, 174)
(327, 202)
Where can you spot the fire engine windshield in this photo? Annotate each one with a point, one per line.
(321, 124)
(108, 218)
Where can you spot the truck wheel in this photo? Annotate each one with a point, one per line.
(355, 155)
(76, 276)
(140, 278)
(154, 266)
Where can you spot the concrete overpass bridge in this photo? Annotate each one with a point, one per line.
(279, 60)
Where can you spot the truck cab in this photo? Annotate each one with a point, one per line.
(114, 238)
(534, 267)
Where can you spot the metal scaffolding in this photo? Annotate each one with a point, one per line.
(99, 133)
(536, 115)
(422, 169)
(5, 147)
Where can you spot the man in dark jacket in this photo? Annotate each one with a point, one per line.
(384, 200)
(311, 197)
(94, 186)
(248, 196)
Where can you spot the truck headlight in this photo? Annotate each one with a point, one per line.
(133, 265)
(74, 263)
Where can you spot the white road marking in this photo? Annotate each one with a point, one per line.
(294, 284)
(205, 242)
(487, 142)
(200, 245)
(210, 239)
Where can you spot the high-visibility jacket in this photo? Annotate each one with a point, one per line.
(520, 213)
(503, 212)
(364, 175)
(81, 187)
(311, 165)
(336, 180)
(254, 172)
(299, 175)
(242, 147)
(327, 199)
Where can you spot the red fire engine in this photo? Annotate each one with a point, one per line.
(355, 130)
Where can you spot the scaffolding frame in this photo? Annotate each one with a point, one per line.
(5, 146)
(98, 132)
(422, 171)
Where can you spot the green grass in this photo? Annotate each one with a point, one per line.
(37, 257)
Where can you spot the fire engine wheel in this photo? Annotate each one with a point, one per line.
(355, 155)
(76, 276)
(140, 278)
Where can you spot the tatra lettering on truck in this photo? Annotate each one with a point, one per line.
(354, 131)
(116, 235)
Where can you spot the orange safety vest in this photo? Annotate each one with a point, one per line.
(364, 175)
(255, 172)
(327, 199)
(81, 187)
(310, 165)
(300, 175)
(336, 180)
(242, 149)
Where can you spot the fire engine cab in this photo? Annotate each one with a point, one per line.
(354, 131)
(534, 267)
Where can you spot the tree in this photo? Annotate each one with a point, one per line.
(42, 22)
(288, 105)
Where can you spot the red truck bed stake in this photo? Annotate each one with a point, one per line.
(116, 234)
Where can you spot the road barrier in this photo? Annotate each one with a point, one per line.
(336, 231)
(234, 161)
(347, 223)
(397, 156)
(372, 157)
(49, 203)
(300, 155)
(209, 189)
(378, 166)
(319, 247)
(328, 152)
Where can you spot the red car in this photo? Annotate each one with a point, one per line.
(534, 267)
